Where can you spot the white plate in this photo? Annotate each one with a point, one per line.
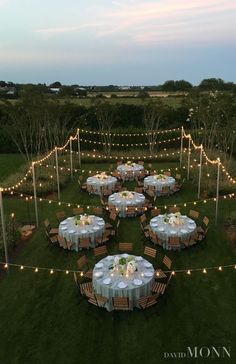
(183, 231)
(172, 231)
(69, 218)
(96, 228)
(109, 257)
(138, 259)
(161, 229)
(71, 231)
(98, 274)
(191, 221)
(125, 255)
(83, 231)
(106, 281)
(129, 202)
(63, 223)
(184, 216)
(99, 218)
(147, 265)
(118, 201)
(148, 274)
(64, 228)
(191, 227)
(137, 282)
(112, 198)
(122, 285)
(99, 265)
(154, 224)
(154, 219)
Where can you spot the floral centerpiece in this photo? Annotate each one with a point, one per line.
(130, 164)
(83, 220)
(127, 195)
(174, 219)
(102, 176)
(160, 177)
(122, 265)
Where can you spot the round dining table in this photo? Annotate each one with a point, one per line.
(159, 183)
(110, 283)
(122, 202)
(130, 171)
(165, 230)
(99, 183)
(72, 232)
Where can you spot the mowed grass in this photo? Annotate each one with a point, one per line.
(45, 320)
(10, 164)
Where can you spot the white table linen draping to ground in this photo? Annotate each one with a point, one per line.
(122, 203)
(165, 230)
(73, 233)
(159, 183)
(103, 271)
(135, 169)
(98, 183)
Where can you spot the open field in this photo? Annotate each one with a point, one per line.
(44, 320)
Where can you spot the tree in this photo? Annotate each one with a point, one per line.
(169, 86)
(105, 117)
(211, 84)
(152, 117)
(56, 84)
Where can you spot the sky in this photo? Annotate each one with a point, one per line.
(121, 42)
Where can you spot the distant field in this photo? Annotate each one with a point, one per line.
(173, 101)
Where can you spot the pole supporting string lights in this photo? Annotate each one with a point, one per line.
(211, 161)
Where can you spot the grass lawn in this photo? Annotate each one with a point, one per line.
(44, 320)
(10, 164)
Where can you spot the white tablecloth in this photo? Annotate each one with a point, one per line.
(122, 203)
(145, 273)
(165, 230)
(135, 169)
(73, 233)
(97, 183)
(159, 183)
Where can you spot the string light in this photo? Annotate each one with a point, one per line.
(188, 271)
(131, 134)
(130, 144)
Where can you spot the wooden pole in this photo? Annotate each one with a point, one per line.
(4, 237)
(181, 146)
(200, 173)
(71, 160)
(35, 196)
(57, 172)
(79, 153)
(217, 190)
(189, 153)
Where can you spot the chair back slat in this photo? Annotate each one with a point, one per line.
(100, 250)
(167, 262)
(126, 247)
(150, 252)
(194, 214)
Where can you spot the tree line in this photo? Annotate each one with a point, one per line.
(35, 124)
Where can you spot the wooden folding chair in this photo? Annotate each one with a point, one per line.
(51, 231)
(85, 287)
(141, 163)
(96, 299)
(78, 210)
(84, 243)
(165, 191)
(97, 210)
(173, 209)
(53, 239)
(148, 301)
(62, 242)
(104, 238)
(155, 212)
(150, 252)
(167, 173)
(174, 242)
(202, 230)
(101, 250)
(126, 247)
(193, 214)
(61, 215)
(121, 303)
(130, 211)
(167, 262)
(82, 263)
